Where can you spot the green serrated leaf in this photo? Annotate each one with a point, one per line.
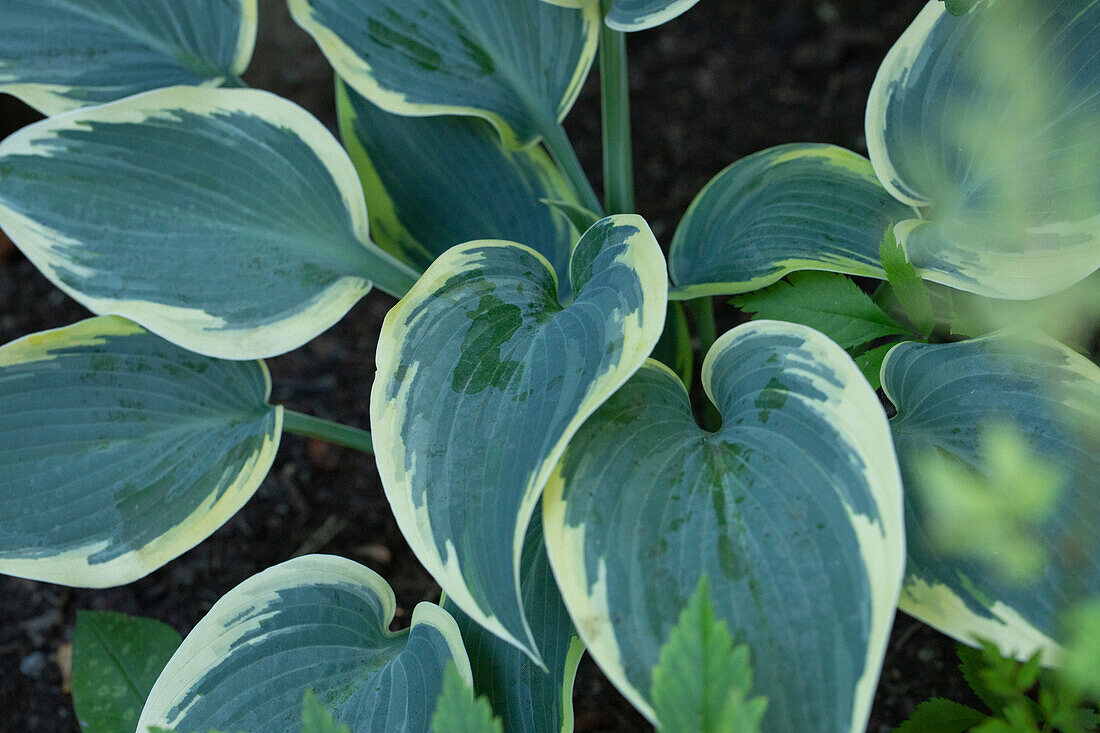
(457, 711)
(827, 302)
(116, 660)
(940, 715)
(701, 682)
(909, 289)
(315, 719)
(972, 668)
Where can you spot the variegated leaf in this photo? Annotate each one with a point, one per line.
(317, 623)
(793, 207)
(228, 221)
(57, 55)
(434, 182)
(483, 376)
(526, 698)
(792, 509)
(947, 396)
(634, 15)
(519, 64)
(987, 122)
(120, 451)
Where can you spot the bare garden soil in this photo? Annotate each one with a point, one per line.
(727, 79)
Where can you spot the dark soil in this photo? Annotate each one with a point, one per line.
(725, 80)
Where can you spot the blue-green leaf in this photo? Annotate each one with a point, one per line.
(634, 15)
(949, 398)
(519, 64)
(792, 508)
(434, 182)
(793, 207)
(987, 122)
(120, 451)
(116, 660)
(528, 699)
(319, 623)
(483, 376)
(57, 55)
(228, 221)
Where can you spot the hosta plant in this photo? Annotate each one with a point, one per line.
(531, 415)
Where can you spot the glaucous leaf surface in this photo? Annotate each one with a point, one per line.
(802, 206)
(528, 699)
(634, 15)
(518, 64)
(316, 622)
(483, 376)
(116, 660)
(434, 182)
(792, 509)
(987, 122)
(946, 396)
(121, 451)
(58, 55)
(228, 221)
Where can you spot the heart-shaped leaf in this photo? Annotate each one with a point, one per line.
(792, 509)
(483, 376)
(317, 623)
(988, 123)
(57, 55)
(949, 396)
(228, 221)
(519, 64)
(121, 451)
(434, 182)
(528, 699)
(793, 207)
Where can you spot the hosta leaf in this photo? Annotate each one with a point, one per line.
(58, 55)
(121, 451)
(792, 509)
(528, 699)
(518, 64)
(483, 376)
(228, 221)
(948, 397)
(793, 207)
(434, 182)
(987, 122)
(635, 15)
(116, 660)
(316, 622)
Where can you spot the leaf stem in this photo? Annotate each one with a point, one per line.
(557, 142)
(327, 430)
(702, 310)
(386, 272)
(618, 162)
